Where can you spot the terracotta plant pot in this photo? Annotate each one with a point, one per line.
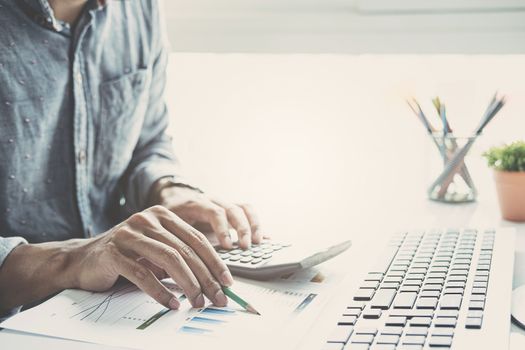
(511, 194)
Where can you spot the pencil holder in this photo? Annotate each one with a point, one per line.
(454, 184)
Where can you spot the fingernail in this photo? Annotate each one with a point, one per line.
(220, 299)
(246, 241)
(174, 303)
(228, 242)
(226, 278)
(199, 301)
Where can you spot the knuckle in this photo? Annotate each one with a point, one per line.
(124, 233)
(139, 272)
(218, 212)
(171, 256)
(210, 285)
(140, 219)
(186, 252)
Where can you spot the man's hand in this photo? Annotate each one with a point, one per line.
(147, 247)
(212, 215)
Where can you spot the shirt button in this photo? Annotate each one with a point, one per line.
(81, 157)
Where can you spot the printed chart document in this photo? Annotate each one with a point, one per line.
(126, 317)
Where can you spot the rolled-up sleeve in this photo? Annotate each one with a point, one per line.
(7, 245)
(153, 157)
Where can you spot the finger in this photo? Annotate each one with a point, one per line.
(237, 218)
(145, 280)
(168, 259)
(198, 242)
(211, 288)
(253, 219)
(157, 271)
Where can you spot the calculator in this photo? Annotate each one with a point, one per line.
(271, 259)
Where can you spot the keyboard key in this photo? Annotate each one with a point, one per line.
(390, 285)
(429, 294)
(440, 341)
(412, 313)
(405, 288)
(475, 313)
(405, 300)
(480, 284)
(383, 299)
(356, 304)
(476, 305)
(458, 284)
(482, 291)
(372, 276)
(416, 331)
(473, 322)
(443, 331)
(445, 322)
(357, 346)
(454, 291)
(246, 259)
(427, 303)
(364, 294)
(447, 313)
(352, 312)
(420, 321)
(383, 347)
(340, 334)
(396, 321)
(387, 339)
(369, 285)
(333, 346)
(372, 313)
(365, 330)
(477, 297)
(394, 330)
(362, 338)
(347, 320)
(413, 339)
(450, 302)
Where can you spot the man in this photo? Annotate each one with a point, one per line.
(87, 174)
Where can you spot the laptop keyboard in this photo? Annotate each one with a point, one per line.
(412, 297)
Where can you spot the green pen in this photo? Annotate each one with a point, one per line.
(239, 300)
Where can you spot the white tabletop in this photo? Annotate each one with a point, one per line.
(324, 145)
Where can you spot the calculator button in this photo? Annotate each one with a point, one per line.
(267, 256)
(257, 255)
(246, 259)
(235, 258)
(225, 256)
(256, 261)
(235, 252)
(246, 253)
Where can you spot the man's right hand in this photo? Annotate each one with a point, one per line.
(147, 247)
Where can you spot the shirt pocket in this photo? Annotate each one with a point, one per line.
(121, 114)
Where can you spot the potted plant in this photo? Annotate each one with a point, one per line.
(508, 162)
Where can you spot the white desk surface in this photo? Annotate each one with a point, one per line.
(325, 144)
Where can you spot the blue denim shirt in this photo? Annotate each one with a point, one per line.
(82, 118)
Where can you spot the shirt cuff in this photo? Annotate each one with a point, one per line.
(144, 179)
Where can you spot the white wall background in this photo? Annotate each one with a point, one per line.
(347, 26)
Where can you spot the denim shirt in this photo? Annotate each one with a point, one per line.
(82, 118)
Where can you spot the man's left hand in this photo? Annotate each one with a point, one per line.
(207, 214)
